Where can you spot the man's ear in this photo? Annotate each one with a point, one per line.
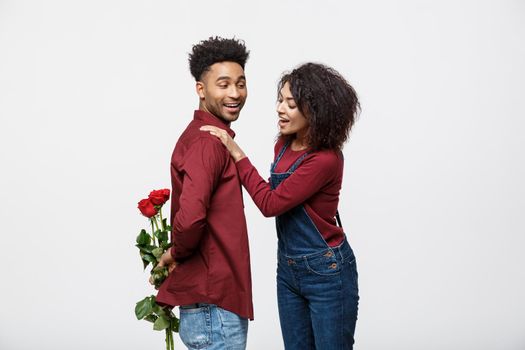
(199, 87)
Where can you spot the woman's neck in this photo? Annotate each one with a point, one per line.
(299, 143)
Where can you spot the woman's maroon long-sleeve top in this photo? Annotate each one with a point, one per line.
(316, 184)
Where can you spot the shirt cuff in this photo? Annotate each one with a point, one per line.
(172, 252)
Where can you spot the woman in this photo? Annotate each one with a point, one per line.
(316, 274)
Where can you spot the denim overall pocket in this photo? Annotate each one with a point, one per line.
(325, 264)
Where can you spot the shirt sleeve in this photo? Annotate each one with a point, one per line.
(203, 165)
(309, 178)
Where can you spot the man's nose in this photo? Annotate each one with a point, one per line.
(234, 92)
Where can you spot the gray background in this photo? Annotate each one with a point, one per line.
(94, 94)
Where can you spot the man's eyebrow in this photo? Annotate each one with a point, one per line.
(225, 77)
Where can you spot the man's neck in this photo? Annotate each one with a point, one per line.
(225, 122)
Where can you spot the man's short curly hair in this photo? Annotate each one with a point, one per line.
(213, 50)
(327, 101)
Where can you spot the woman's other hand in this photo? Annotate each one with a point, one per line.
(232, 147)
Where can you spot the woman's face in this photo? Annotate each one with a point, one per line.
(291, 121)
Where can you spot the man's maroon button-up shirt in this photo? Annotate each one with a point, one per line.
(209, 227)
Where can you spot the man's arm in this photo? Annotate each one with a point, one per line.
(202, 166)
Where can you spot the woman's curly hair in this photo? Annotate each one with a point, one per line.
(327, 101)
(213, 50)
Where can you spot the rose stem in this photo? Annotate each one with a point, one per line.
(161, 220)
(152, 231)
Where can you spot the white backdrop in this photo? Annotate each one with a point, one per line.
(94, 94)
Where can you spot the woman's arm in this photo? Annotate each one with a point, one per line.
(314, 173)
(316, 170)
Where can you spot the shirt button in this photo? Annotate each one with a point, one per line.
(333, 266)
(329, 254)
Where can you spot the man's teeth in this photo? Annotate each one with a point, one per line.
(232, 105)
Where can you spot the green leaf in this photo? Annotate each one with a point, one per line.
(157, 233)
(159, 310)
(143, 238)
(151, 318)
(163, 236)
(166, 245)
(175, 324)
(145, 263)
(159, 274)
(157, 252)
(161, 323)
(144, 307)
(148, 257)
(148, 248)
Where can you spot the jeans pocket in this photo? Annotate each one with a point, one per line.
(195, 327)
(324, 265)
(234, 329)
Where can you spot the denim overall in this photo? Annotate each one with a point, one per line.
(316, 284)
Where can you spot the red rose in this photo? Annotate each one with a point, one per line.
(147, 208)
(159, 197)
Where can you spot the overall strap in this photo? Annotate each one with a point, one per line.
(279, 156)
(338, 218)
(298, 162)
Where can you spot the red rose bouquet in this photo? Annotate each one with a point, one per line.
(151, 247)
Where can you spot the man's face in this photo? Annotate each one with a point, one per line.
(222, 90)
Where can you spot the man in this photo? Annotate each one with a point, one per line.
(209, 262)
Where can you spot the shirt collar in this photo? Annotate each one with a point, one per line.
(208, 118)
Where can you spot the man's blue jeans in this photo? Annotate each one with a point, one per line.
(207, 326)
